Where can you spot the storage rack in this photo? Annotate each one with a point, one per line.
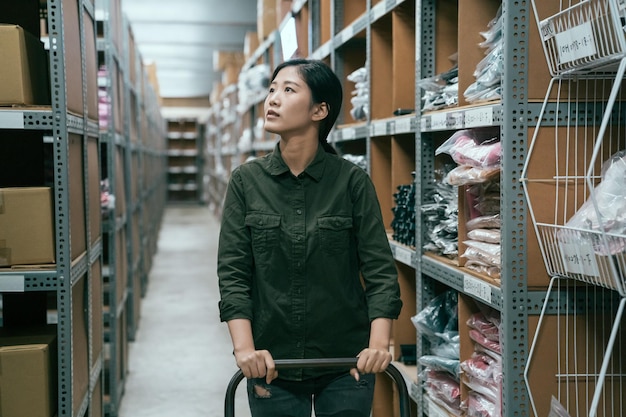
(185, 139)
(69, 130)
(134, 162)
(349, 34)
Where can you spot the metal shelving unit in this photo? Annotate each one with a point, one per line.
(70, 130)
(185, 138)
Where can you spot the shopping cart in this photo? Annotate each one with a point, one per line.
(392, 371)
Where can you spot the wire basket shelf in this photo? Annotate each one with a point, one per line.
(584, 39)
(593, 257)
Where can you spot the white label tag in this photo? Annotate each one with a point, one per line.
(348, 133)
(479, 117)
(347, 34)
(423, 124)
(378, 11)
(10, 119)
(379, 129)
(439, 121)
(476, 287)
(576, 43)
(547, 29)
(403, 125)
(403, 255)
(579, 258)
(12, 283)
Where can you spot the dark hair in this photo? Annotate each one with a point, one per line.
(325, 88)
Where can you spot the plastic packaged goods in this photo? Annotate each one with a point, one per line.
(484, 222)
(403, 223)
(556, 409)
(440, 91)
(488, 72)
(441, 364)
(485, 235)
(478, 148)
(360, 94)
(438, 317)
(440, 218)
(443, 389)
(606, 212)
(477, 405)
(358, 160)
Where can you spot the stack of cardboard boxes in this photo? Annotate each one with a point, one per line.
(28, 380)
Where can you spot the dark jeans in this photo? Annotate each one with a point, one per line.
(337, 396)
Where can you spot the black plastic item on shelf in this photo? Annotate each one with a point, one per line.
(403, 223)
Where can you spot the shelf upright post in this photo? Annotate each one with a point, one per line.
(424, 169)
(513, 211)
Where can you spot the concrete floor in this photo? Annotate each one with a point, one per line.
(181, 362)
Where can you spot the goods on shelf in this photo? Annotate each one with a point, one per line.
(440, 91)
(488, 72)
(360, 94)
(440, 218)
(438, 323)
(403, 223)
(482, 371)
(252, 86)
(358, 160)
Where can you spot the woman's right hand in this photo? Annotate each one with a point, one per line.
(257, 364)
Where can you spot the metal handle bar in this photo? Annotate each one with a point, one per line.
(392, 371)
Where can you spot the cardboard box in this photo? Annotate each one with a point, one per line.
(266, 18)
(230, 74)
(283, 7)
(223, 59)
(24, 69)
(26, 226)
(28, 381)
(250, 44)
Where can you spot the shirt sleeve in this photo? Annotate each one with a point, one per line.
(234, 255)
(377, 265)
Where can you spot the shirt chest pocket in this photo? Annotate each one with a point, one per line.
(334, 233)
(264, 229)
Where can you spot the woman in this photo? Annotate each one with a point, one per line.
(304, 264)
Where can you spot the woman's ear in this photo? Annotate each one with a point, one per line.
(320, 111)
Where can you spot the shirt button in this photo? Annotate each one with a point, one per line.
(260, 222)
(298, 238)
(299, 211)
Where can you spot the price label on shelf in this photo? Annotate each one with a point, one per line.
(576, 43)
(403, 125)
(476, 287)
(456, 120)
(403, 255)
(348, 133)
(347, 34)
(12, 283)
(10, 119)
(379, 129)
(423, 124)
(579, 258)
(439, 121)
(479, 117)
(378, 11)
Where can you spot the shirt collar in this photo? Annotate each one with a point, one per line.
(277, 166)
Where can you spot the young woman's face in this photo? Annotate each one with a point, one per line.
(288, 105)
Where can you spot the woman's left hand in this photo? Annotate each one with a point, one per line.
(371, 361)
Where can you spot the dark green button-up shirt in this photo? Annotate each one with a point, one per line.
(292, 251)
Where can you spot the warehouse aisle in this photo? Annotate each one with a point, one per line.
(181, 361)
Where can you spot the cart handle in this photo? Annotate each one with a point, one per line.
(392, 371)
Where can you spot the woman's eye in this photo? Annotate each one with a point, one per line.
(288, 89)
(271, 90)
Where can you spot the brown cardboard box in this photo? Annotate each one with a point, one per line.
(26, 226)
(230, 74)
(223, 59)
(28, 381)
(266, 18)
(283, 7)
(24, 69)
(250, 44)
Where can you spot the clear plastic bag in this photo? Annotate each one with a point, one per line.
(484, 222)
(469, 147)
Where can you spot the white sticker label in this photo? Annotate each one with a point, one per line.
(439, 121)
(423, 124)
(576, 43)
(479, 117)
(476, 287)
(379, 129)
(378, 11)
(403, 255)
(579, 258)
(403, 125)
(547, 29)
(12, 283)
(455, 120)
(347, 34)
(348, 133)
(10, 119)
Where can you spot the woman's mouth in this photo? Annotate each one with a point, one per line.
(271, 113)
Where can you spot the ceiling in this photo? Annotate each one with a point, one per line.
(179, 37)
